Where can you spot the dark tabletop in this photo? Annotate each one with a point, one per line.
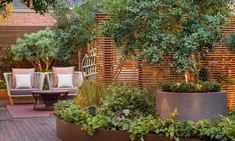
(50, 91)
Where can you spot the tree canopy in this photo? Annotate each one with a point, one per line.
(39, 48)
(152, 29)
(40, 6)
(75, 28)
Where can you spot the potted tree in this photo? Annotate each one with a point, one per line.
(184, 30)
(40, 49)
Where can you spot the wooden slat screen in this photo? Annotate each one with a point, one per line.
(112, 67)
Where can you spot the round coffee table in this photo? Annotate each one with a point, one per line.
(48, 98)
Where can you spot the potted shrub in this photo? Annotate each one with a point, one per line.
(194, 101)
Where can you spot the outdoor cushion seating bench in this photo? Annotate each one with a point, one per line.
(12, 91)
(77, 82)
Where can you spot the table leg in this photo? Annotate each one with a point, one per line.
(49, 100)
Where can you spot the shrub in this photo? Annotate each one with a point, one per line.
(2, 84)
(219, 129)
(183, 87)
(70, 112)
(90, 93)
(216, 130)
(210, 86)
(179, 87)
(123, 97)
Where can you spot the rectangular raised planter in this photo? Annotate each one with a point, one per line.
(71, 132)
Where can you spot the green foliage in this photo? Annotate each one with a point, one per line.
(151, 29)
(90, 93)
(224, 79)
(40, 6)
(75, 28)
(230, 41)
(124, 97)
(203, 75)
(179, 87)
(142, 126)
(39, 48)
(209, 86)
(95, 122)
(183, 87)
(217, 130)
(70, 112)
(221, 129)
(6, 60)
(2, 84)
(66, 30)
(231, 115)
(229, 128)
(174, 130)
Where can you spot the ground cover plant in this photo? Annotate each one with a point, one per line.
(129, 116)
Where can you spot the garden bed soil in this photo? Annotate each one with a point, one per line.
(191, 106)
(72, 132)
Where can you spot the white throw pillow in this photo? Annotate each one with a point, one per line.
(65, 80)
(23, 81)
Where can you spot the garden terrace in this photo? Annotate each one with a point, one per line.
(147, 69)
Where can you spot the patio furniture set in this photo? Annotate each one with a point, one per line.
(45, 87)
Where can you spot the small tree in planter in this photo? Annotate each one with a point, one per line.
(185, 30)
(39, 48)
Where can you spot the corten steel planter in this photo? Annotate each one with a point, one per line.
(3, 93)
(191, 106)
(72, 132)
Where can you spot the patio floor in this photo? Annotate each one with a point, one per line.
(26, 129)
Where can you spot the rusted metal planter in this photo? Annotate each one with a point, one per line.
(191, 106)
(3, 93)
(71, 132)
